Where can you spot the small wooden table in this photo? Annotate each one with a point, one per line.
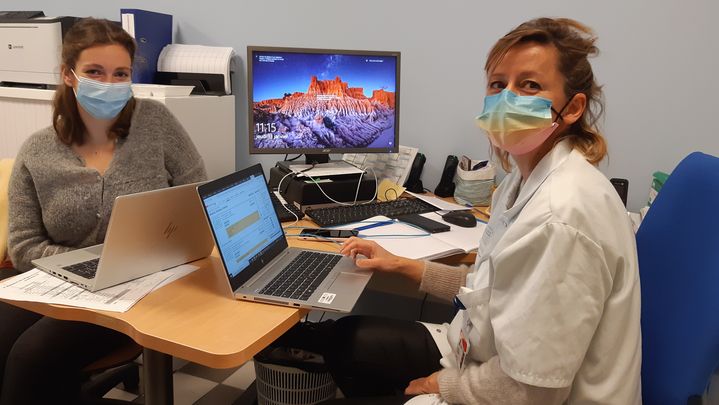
(194, 318)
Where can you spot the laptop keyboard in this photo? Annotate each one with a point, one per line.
(85, 269)
(302, 276)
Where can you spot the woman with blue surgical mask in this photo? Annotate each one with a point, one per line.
(103, 143)
(549, 312)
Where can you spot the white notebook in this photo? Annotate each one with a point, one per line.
(405, 240)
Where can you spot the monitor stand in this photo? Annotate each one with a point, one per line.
(318, 161)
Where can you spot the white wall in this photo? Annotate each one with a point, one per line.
(659, 64)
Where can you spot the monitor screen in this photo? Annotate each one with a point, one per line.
(316, 101)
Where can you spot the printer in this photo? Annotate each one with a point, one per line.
(30, 49)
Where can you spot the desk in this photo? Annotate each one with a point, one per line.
(197, 319)
(194, 318)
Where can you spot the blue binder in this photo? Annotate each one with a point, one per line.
(152, 31)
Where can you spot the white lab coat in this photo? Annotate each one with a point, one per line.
(555, 290)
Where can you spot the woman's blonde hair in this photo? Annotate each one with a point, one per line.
(575, 44)
(87, 33)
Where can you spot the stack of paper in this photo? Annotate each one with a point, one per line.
(197, 59)
(38, 286)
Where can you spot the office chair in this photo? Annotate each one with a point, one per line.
(678, 247)
(105, 373)
(5, 171)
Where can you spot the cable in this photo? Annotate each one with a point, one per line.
(297, 218)
(396, 196)
(359, 183)
(279, 185)
(376, 186)
(279, 189)
(424, 233)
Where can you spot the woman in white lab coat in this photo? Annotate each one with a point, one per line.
(549, 313)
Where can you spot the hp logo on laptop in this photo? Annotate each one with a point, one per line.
(171, 228)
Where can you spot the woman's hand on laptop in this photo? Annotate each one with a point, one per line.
(377, 258)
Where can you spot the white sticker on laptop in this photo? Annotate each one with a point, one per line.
(327, 298)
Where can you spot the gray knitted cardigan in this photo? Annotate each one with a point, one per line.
(57, 204)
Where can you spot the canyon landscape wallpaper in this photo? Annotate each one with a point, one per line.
(296, 105)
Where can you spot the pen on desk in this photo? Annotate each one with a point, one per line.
(375, 225)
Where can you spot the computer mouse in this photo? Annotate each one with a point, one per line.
(464, 219)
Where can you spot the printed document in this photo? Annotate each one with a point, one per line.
(37, 286)
(392, 166)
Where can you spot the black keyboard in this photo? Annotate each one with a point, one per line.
(302, 276)
(85, 269)
(345, 214)
(281, 209)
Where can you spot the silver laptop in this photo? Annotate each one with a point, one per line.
(147, 232)
(259, 264)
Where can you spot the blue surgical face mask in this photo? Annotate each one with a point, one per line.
(518, 124)
(102, 100)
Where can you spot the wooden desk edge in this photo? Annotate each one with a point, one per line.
(207, 278)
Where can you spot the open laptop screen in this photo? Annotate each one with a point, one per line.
(243, 220)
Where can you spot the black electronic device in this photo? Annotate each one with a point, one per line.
(461, 218)
(285, 211)
(204, 83)
(304, 192)
(622, 187)
(14, 15)
(331, 234)
(445, 188)
(345, 214)
(427, 224)
(413, 183)
(321, 101)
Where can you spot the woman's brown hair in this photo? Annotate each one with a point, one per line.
(575, 44)
(87, 33)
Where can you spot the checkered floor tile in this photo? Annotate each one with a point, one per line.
(199, 385)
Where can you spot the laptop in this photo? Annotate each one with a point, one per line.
(147, 232)
(259, 264)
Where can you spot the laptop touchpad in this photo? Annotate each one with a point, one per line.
(350, 280)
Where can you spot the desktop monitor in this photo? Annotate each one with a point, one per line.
(321, 101)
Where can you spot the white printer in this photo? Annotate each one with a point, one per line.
(30, 49)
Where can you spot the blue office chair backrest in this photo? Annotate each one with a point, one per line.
(678, 246)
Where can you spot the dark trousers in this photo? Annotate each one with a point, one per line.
(41, 358)
(369, 356)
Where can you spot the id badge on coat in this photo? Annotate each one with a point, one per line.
(461, 350)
